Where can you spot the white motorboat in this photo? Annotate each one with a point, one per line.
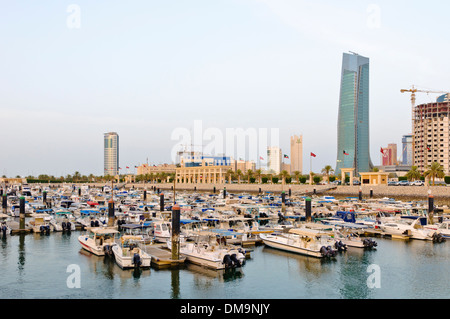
(63, 221)
(41, 223)
(129, 254)
(99, 240)
(161, 230)
(206, 251)
(412, 227)
(443, 228)
(309, 242)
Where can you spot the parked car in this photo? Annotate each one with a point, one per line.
(403, 183)
(418, 183)
(392, 183)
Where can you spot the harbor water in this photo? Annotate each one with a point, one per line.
(54, 266)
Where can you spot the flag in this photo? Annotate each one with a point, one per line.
(127, 167)
(261, 158)
(120, 167)
(382, 152)
(135, 166)
(285, 156)
(345, 153)
(428, 148)
(313, 155)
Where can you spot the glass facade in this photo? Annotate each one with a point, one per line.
(353, 116)
(111, 154)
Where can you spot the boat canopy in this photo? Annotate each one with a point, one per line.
(102, 230)
(308, 232)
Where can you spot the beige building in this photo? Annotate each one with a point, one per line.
(242, 165)
(286, 167)
(296, 154)
(431, 135)
(155, 169)
(202, 174)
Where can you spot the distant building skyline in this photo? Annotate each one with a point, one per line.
(111, 153)
(353, 149)
(296, 154)
(407, 150)
(274, 159)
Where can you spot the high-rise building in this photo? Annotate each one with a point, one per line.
(353, 116)
(274, 159)
(111, 153)
(431, 135)
(407, 151)
(389, 156)
(296, 154)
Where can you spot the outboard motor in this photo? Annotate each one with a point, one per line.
(63, 225)
(4, 230)
(92, 223)
(137, 260)
(227, 261)
(280, 217)
(369, 243)
(340, 246)
(327, 251)
(69, 226)
(108, 250)
(236, 262)
(96, 223)
(438, 238)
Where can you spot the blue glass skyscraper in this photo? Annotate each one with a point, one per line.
(353, 117)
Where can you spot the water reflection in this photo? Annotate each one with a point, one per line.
(352, 273)
(306, 264)
(203, 275)
(21, 261)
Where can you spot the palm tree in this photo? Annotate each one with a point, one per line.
(249, 175)
(435, 170)
(413, 174)
(297, 175)
(239, 175)
(258, 175)
(229, 174)
(327, 171)
(283, 175)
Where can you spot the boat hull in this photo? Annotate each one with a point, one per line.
(126, 262)
(278, 244)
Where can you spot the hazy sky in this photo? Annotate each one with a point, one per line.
(73, 70)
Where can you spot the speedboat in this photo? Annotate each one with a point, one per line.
(412, 227)
(99, 240)
(41, 223)
(304, 241)
(209, 250)
(129, 254)
(63, 221)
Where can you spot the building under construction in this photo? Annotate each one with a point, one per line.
(431, 134)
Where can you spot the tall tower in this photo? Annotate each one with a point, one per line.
(353, 117)
(111, 153)
(297, 153)
(274, 159)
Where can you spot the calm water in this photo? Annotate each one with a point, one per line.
(35, 266)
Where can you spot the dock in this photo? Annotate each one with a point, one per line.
(162, 257)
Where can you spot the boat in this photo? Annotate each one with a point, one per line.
(99, 240)
(161, 230)
(41, 223)
(209, 250)
(412, 227)
(443, 228)
(309, 242)
(5, 229)
(63, 221)
(129, 254)
(140, 231)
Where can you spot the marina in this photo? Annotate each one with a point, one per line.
(327, 251)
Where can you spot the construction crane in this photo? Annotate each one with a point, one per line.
(413, 90)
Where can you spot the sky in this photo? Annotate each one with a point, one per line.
(71, 71)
